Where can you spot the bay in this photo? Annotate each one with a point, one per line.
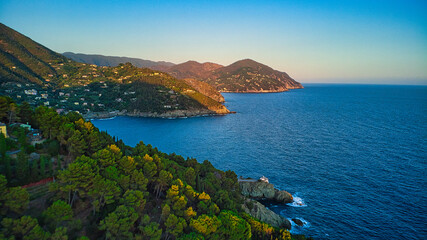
(354, 155)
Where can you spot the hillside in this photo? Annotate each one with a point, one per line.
(53, 80)
(81, 183)
(190, 69)
(205, 89)
(22, 59)
(112, 61)
(250, 76)
(242, 76)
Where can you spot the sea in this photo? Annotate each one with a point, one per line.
(353, 156)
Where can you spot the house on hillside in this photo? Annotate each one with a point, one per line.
(3, 129)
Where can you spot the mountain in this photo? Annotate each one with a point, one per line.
(52, 79)
(111, 61)
(190, 69)
(250, 76)
(242, 76)
(187, 71)
(22, 59)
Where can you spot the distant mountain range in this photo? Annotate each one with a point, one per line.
(242, 76)
(33, 73)
(111, 61)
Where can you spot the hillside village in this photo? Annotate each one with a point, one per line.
(95, 97)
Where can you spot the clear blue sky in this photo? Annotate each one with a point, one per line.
(313, 41)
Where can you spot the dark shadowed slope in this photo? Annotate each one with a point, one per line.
(22, 59)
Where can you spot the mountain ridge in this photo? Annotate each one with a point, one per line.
(136, 90)
(112, 61)
(245, 75)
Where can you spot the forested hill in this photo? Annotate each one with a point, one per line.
(103, 189)
(112, 61)
(250, 76)
(242, 76)
(22, 59)
(32, 72)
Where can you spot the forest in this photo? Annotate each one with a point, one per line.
(81, 183)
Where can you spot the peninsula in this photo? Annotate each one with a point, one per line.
(244, 76)
(33, 73)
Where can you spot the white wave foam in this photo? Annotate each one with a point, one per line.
(110, 118)
(295, 229)
(298, 202)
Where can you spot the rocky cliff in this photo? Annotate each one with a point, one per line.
(259, 211)
(259, 189)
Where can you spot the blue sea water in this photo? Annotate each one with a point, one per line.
(355, 156)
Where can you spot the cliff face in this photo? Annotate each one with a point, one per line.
(260, 189)
(259, 211)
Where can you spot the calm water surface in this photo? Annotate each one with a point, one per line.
(354, 155)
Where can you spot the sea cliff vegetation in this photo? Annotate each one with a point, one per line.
(76, 182)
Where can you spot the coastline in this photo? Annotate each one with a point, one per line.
(171, 114)
(263, 91)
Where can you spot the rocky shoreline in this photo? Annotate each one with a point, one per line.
(170, 114)
(255, 190)
(263, 90)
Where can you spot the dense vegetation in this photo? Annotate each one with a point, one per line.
(250, 76)
(26, 66)
(242, 76)
(105, 189)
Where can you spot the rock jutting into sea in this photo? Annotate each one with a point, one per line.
(263, 190)
(259, 211)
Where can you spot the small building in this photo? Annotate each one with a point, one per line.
(26, 126)
(263, 179)
(3, 129)
(30, 92)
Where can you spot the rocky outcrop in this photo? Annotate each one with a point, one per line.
(259, 211)
(259, 189)
(298, 222)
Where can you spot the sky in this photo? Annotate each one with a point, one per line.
(313, 41)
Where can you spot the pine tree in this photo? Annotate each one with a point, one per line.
(42, 171)
(22, 167)
(35, 173)
(3, 147)
(49, 167)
